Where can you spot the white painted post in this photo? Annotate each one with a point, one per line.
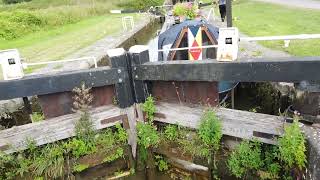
(286, 43)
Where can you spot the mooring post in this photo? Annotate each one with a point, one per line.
(229, 12)
(119, 59)
(139, 55)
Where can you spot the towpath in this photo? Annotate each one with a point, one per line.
(307, 4)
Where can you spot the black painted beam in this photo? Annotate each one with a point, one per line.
(53, 83)
(294, 69)
(124, 91)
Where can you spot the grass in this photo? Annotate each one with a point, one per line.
(58, 27)
(59, 42)
(264, 19)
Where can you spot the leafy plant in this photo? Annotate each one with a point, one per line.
(171, 132)
(246, 158)
(78, 147)
(37, 117)
(140, 4)
(210, 131)
(80, 167)
(292, 146)
(147, 135)
(185, 9)
(121, 134)
(14, 1)
(84, 127)
(50, 162)
(7, 166)
(161, 163)
(149, 108)
(119, 153)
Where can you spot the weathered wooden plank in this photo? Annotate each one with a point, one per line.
(55, 129)
(236, 123)
(53, 83)
(292, 69)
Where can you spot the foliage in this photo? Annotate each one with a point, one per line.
(119, 153)
(161, 163)
(171, 132)
(210, 131)
(246, 158)
(149, 108)
(147, 135)
(84, 128)
(47, 14)
(140, 4)
(271, 167)
(187, 10)
(49, 162)
(190, 143)
(37, 117)
(80, 167)
(78, 147)
(292, 146)
(7, 166)
(14, 1)
(121, 134)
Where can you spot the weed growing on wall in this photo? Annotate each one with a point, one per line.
(210, 134)
(84, 127)
(50, 161)
(283, 161)
(245, 159)
(37, 117)
(210, 131)
(171, 132)
(149, 108)
(292, 146)
(147, 135)
(161, 163)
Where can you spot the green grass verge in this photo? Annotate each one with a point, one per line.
(264, 19)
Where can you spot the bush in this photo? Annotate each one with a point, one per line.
(14, 1)
(246, 158)
(140, 4)
(292, 146)
(186, 10)
(18, 23)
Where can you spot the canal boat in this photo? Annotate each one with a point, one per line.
(181, 41)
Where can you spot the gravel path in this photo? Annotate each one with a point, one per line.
(307, 4)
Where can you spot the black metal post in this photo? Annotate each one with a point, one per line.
(229, 13)
(119, 59)
(139, 55)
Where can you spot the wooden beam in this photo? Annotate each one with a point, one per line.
(292, 69)
(53, 83)
(236, 123)
(55, 129)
